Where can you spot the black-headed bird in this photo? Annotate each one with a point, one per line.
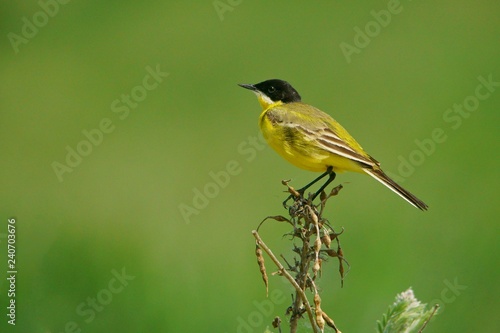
(312, 140)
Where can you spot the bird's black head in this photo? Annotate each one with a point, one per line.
(276, 90)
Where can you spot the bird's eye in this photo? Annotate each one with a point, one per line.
(271, 89)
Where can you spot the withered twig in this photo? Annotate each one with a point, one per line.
(300, 292)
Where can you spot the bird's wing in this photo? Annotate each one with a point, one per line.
(318, 126)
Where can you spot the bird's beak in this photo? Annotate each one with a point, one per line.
(248, 86)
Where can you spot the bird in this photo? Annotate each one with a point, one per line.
(312, 140)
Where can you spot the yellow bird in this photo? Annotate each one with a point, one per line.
(312, 140)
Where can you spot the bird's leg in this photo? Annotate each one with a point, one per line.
(331, 177)
(328, 171)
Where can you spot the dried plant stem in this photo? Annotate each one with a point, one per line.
(303, 269)
(314, 235)
(300, 295)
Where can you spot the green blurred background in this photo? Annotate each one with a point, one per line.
(119, 210)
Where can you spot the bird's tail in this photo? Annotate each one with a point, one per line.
(384, 179)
